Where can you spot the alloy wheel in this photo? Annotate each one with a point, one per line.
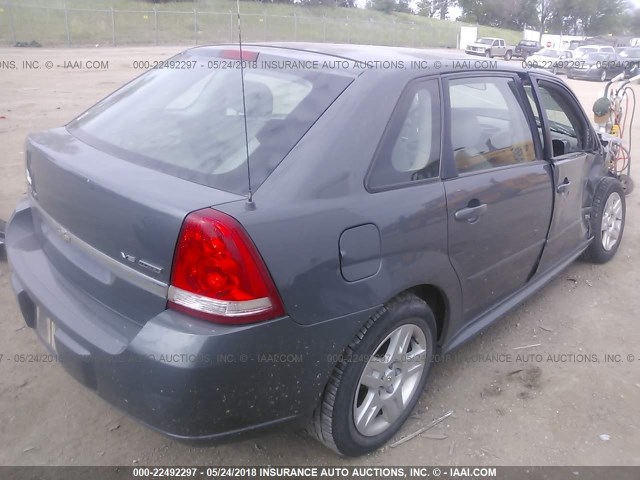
(390, 380)
(611, 221)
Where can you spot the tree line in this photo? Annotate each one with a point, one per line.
(569, 17)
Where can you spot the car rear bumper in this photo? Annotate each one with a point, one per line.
(186, 378)
(589, 74)
(522, 53)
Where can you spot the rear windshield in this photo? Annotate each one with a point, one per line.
(630, 53)
(581, 51)
(596, 56)
(548, 52)
(187, 119)
(528, 43)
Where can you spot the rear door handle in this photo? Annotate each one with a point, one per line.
(564, 186)
(471, 214)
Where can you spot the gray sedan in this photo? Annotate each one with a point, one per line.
(216, 250)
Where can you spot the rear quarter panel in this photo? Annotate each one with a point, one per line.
(318, 191)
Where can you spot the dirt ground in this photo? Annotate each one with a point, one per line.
(548, 407)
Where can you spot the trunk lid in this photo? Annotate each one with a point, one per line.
(107, 225)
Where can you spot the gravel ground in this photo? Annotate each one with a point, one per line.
(548, 407)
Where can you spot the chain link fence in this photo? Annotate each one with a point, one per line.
(61, 26)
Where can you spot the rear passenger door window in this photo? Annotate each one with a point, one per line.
(489, 128)
(410, 149)
(568, 129)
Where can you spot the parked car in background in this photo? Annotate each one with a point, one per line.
(599, 66)
(630, 58)
(205, 308)
(525, 48)
(586, 49)
(550, 59)
(490, 47)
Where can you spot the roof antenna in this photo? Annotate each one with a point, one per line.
(250, 203)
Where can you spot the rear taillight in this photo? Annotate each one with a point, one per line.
(218, 275)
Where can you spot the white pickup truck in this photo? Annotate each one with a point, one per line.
(490, 47)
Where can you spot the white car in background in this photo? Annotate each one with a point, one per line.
(551, 59)
(586, 49)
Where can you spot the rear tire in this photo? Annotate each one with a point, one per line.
(370, 394)
(507, 56)
(607, 221)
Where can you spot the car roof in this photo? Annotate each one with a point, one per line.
(365, 53)
(378, 53)
(596, 46)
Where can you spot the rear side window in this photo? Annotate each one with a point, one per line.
(488, 126)
(568, 129)
(189, 122)
(410, 149)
